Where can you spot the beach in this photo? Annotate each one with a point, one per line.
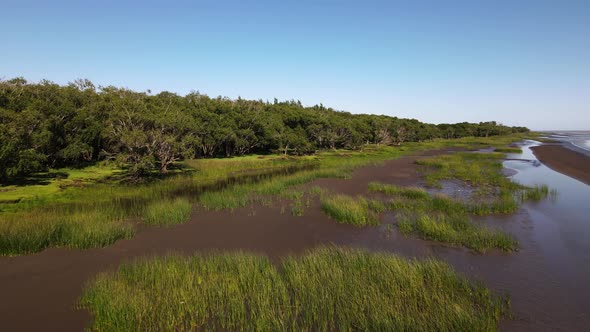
(564, 160)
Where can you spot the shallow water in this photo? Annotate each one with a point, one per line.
(561, 234)
(578, 140)
(546, 279)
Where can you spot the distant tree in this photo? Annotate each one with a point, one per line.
(46, 125)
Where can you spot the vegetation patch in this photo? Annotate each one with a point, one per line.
(455, 229)
(408, 192)
(349, 210)
(495, 192)
(441, 218)
(508, 149)
(536, 193)
(327, 289)
(215, 183)
(168, 212)
(34, 231)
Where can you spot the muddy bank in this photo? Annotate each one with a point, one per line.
(545, 280)
(563, 160)
(40, 291)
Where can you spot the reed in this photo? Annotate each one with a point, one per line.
(167, 212)
(349, 210)
(508, 149)
(457, 230)
(326, 289)
(35, 217)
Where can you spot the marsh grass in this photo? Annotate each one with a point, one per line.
(484, 172)
(167, 212)
(350, 210)
(441, 218)
(508, 149)
(82, 229)
(477, 169)
(409, 192)
(535, 193)
(327, 289)
(456, 229)
(46, 216)
(331, 165)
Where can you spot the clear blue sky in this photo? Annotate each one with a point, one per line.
(518, 62)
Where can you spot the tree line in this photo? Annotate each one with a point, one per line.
(45, 125)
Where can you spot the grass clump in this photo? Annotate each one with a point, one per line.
(168, 212)
(508, 149)
(350, 210)
(481, 170)
(36, 215)
(409, 192)
(456, 230)
(535, 193)
(79, 229)
(440, 218)
(327, 289)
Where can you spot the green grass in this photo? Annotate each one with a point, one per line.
(227, 183)
(443, 219)
(327, 289)
(330, 165)
(41, 187)
(456, 229)
(165, 213)
(508, 149)
(408, 192)
(34, 231)
(536, 193)
(482, 170)
(349, 210)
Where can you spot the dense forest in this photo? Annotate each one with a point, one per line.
(45, 125)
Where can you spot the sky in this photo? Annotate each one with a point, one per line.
(524, 63)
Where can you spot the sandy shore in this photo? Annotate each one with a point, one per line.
(564, 160)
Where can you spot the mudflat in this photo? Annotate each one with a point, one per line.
(44, 288)
(564, 160)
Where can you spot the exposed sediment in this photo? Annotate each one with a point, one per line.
(565, 161)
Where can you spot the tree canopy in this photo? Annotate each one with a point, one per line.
(45, 125)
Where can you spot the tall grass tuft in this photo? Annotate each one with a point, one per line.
(327, 289)
(408, 192)
(38, 216)
(536, 193)
(508, 149)
(81, 229)
(441, 218)
(457, 230)
(350, 210)
(168, 212)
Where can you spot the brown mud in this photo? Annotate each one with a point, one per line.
(564, 160)
(40, 291)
